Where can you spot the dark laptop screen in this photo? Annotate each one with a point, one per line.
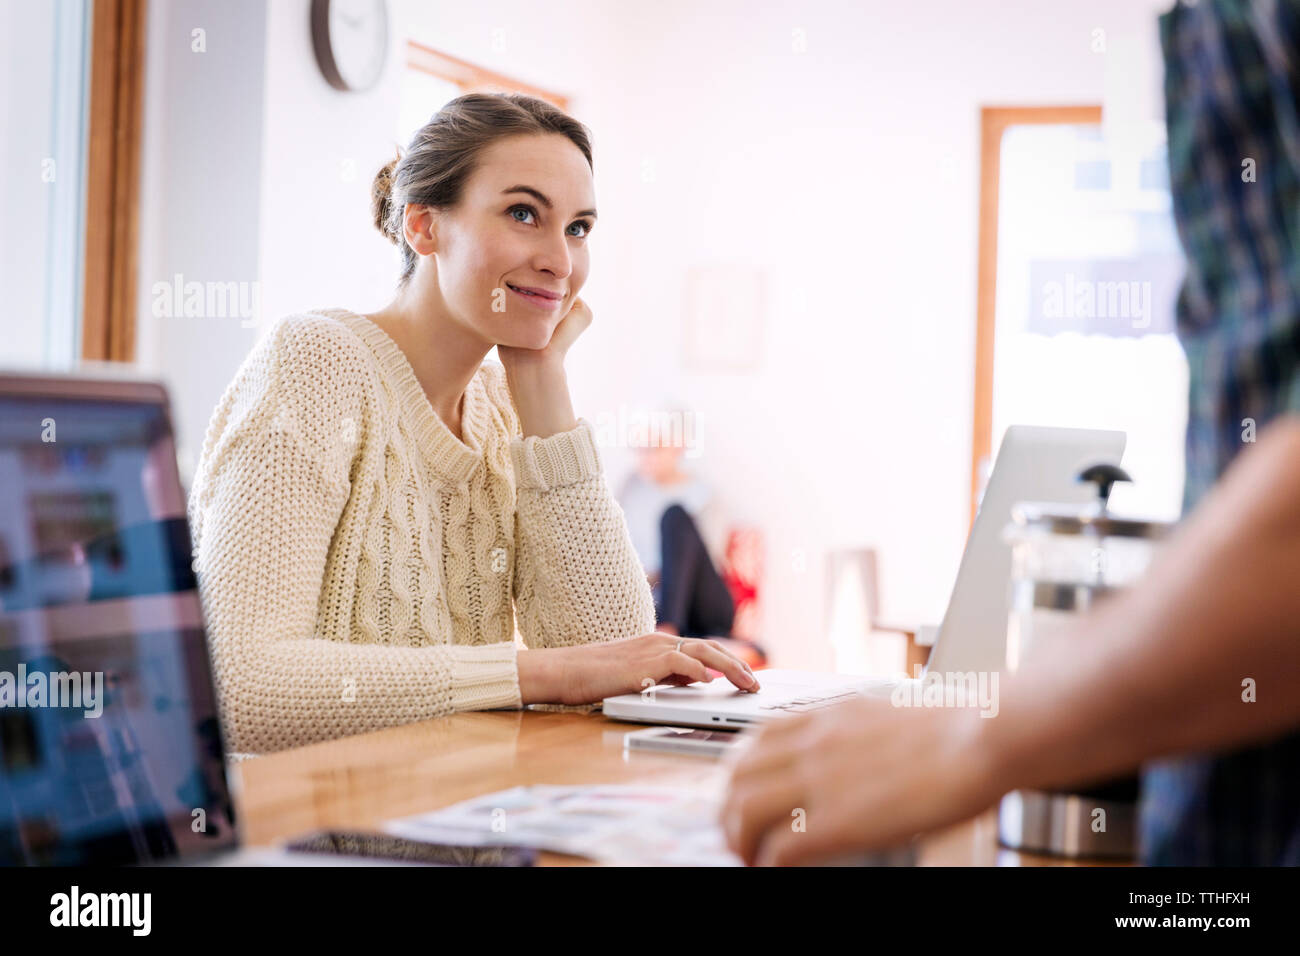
(110, 746)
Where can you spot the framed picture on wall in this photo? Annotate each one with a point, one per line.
(724, 317)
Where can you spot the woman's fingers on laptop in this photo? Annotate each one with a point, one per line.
(723, 649)
(678, 680)
(687, 666)
(712, 655)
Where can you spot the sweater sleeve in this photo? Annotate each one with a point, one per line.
(269, 492)
(577, 577)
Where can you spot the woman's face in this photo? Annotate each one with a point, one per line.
(522, 222)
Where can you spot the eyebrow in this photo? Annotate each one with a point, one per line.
(541, 198)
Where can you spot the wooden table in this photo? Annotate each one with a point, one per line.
(359, 782)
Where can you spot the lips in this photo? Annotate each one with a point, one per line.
(536, 292)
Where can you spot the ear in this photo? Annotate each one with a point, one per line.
(420, 226)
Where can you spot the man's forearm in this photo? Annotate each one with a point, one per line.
(1162, 669)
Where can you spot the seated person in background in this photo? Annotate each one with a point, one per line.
(664, 507)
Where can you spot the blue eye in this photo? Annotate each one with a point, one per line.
(586, 224)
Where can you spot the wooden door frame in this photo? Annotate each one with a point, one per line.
(116, 120)
(994, 121)
(470, 77)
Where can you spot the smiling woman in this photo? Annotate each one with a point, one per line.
(376, 507)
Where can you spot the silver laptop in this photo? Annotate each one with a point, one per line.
(1033, 464)
(119, 757)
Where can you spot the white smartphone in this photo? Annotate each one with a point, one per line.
(683, 740)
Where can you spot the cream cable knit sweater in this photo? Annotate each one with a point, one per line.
(357, 562)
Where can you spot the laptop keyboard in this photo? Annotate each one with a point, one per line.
(809, 702)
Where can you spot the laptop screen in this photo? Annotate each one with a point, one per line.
(110, 746)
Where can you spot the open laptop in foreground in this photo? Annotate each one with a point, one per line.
(1033, 464)
(110, 741)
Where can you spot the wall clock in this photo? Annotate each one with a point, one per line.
(351, 41)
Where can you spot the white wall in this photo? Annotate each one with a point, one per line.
(317, 243)
(202, 185)
(849, 172)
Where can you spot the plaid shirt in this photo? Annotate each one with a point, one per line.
(1232, 76)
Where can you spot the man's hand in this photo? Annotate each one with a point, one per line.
(865, 774)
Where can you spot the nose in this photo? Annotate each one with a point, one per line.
(553, 256)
